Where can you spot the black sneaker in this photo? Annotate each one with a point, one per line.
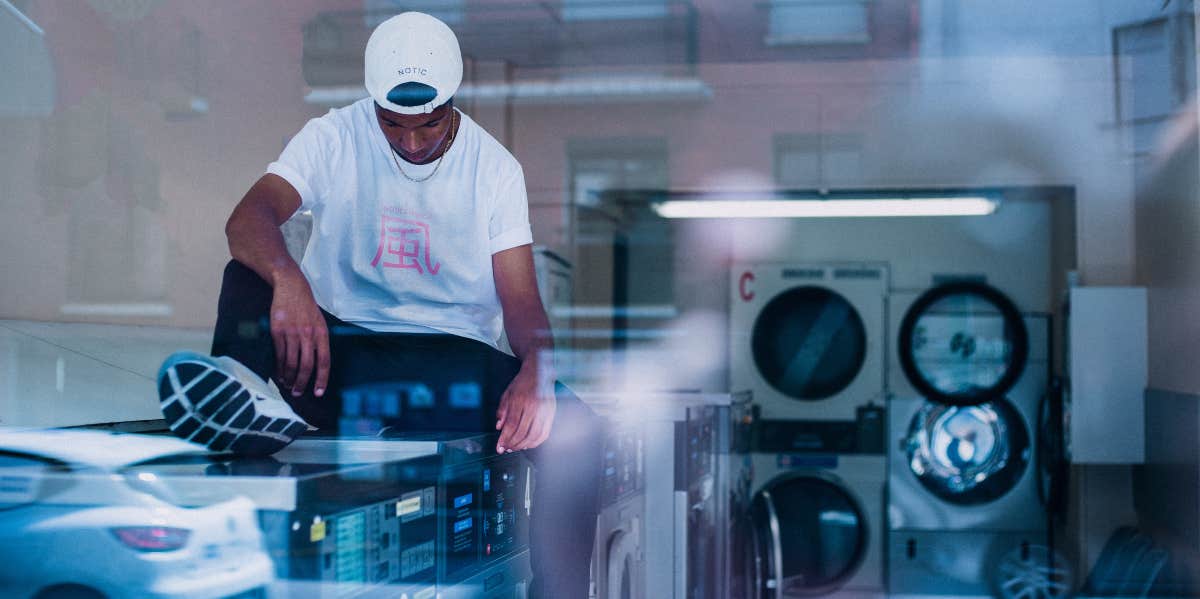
(223, 405)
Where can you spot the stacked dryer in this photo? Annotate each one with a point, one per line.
(808, 342)
(808, 339)
(968, 374)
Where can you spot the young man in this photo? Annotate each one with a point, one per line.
(419, 258)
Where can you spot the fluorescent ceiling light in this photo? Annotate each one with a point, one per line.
(581, 90)
(591, 89)
(131, 309)
(829, 208)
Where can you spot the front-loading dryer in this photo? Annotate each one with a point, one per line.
(816, 519)
(967, 467)
(963, 422)
(817, 526)
(807, 340)
(963, 466)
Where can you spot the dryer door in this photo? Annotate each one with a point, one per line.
(811, 532)
(747, 576)
(963, 344)
(968, 455)
(621, 579)
(809, 343)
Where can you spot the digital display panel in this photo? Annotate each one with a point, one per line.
(460, 519)
(409, 506)
(349, 552)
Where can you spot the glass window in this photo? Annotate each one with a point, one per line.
(1153, 79)
(814, 160)
(672, 151)
(24, 58)
(620, 240)
(585, 10)
(817, 22)
(449, 11)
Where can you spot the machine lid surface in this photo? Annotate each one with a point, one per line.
(963, 343)
(968, 455)
(809, 343)
(812, 533)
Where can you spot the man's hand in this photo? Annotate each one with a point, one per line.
(301, 337)
(526, 409)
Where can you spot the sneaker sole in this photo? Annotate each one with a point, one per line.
(206, 405)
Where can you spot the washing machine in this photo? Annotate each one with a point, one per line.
(695, 480)
(481, 505)
(507, 578)
(816, 518)
(340, 520)
(618, 559)
(807, 340)
(484, 510)
(962, 433)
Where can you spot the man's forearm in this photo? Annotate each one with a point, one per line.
(529, 333)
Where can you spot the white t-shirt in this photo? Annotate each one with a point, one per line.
(393, 255)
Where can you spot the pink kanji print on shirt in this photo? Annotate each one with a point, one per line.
(404, 243)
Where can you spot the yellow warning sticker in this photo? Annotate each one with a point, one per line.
(317, 532)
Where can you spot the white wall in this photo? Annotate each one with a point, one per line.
(1168, 213)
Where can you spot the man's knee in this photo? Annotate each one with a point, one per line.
(238, 273)
(241, 286)
(242, 330)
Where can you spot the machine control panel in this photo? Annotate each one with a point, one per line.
(353, 523)
(485, 506)
(623, 473)
(507, 506)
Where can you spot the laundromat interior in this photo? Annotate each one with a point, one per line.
(871, 297)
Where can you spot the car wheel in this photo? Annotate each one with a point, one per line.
(69, 591)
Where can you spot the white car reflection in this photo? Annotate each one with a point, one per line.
(76, 523)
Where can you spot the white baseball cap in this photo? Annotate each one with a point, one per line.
(413, 63)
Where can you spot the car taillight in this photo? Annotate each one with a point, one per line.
(153, 538)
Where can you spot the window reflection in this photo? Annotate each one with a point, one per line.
(130, 129)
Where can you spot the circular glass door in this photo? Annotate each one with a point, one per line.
(812, 535)
(621, 557)
(968, 455)
(809, 343)
(963, 344)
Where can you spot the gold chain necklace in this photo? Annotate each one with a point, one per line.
(453, 134)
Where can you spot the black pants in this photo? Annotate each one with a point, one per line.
(562, 528)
